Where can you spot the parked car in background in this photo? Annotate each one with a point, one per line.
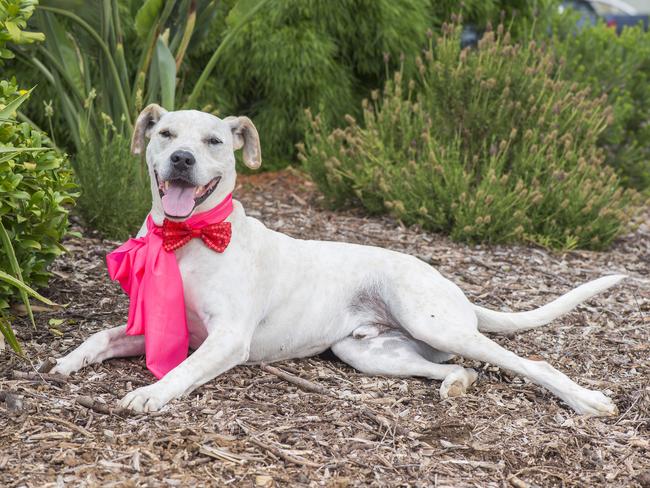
(617, 14)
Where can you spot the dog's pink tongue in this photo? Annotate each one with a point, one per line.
(178, 201)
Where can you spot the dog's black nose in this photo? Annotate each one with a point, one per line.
(182, 160)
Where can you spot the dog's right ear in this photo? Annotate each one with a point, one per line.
(143, 125)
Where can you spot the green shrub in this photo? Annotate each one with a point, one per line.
(618, 66)
(478, 13)
(13, 21)
(35, 186)
(488, 145)
(312, 53)
(16, 141)
(115, 194)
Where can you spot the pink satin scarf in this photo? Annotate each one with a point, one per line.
(152, 279)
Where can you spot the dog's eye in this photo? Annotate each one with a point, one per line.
(165, 133)
(213, 141)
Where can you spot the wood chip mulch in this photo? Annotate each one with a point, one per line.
(317, 422)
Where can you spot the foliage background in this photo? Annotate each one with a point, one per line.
(617, 66)
(102, 62)
(488, 144)
(35, 189)
(35, 185)
(275, 58)
(325, 55)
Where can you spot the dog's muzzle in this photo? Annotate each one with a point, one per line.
(180, 194)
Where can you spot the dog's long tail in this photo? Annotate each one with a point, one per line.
(508, 323)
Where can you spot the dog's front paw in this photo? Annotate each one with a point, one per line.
(146, 399)
(67, 365)
(590, 402)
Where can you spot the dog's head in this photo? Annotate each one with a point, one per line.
(190, 155)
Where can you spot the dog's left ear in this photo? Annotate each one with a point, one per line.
(244, 134)
(149, 116)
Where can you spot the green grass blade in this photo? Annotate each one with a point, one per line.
(64, 47)
(166, 74)
(147, 17)
(19, 150)
(117, 23)
(61, 69)
(6, 277)
(139, 81)
(117, 87)
(71, 111)
(187, 35)
(119, 48)
(8, 333)
(15, 267)
(239, 10)
(12, 106)
(36, 63)
(106, 17)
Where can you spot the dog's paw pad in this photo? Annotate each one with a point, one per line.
(454, 390)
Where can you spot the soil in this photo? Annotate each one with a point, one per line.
(251, 427)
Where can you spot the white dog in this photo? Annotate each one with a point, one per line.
(270, 297)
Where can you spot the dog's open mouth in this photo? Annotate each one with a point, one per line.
(179, 197)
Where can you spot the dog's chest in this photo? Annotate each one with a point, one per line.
(204, 283)
(200, 267)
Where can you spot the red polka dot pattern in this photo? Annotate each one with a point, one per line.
(176, 234)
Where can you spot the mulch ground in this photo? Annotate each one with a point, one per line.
(250, 427)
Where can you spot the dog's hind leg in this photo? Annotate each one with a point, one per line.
(433, 310)
(103, 345)
(442, 317)
(394, 354)
(478, 347)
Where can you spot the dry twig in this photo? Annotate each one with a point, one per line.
(88, 402)
(67, 424)
(44, 377)
(298, 381)
(276, 451)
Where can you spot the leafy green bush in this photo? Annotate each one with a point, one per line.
(16, 141)
(519, 14)
(321, 54)
(488, 144)
(35, 186)
(618, 66)
(115, 194)
(13, 21)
